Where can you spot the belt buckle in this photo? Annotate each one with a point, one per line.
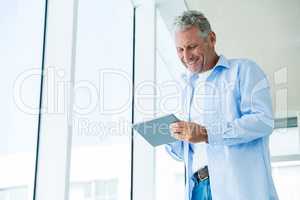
(202, 174)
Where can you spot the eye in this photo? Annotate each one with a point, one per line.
(179, 50)
(193, 46)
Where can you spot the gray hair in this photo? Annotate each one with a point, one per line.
(193, 18)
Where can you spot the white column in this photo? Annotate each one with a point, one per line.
(144, 154)
(56, 129)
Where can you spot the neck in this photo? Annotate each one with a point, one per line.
(211, 62)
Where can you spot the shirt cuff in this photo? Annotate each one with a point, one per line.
(174, 149)
(215, 132)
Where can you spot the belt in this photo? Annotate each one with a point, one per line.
(202, 174)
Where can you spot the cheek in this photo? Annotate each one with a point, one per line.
(198, 52)
(203, 53)
(180, 56)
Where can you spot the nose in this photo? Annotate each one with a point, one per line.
(187, 55)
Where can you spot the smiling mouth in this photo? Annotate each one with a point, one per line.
(192, 62)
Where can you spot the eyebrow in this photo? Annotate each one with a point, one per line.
(188, 45)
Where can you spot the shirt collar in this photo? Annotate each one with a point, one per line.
(189, 77)
(222, 62)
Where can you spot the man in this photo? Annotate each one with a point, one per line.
(224, 140)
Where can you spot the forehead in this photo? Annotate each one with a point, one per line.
(187, 36)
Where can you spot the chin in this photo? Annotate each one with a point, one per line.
(195, 69)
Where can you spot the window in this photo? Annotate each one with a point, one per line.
(101, 147)
(95, 190)
(285, 151)
(22, 25)
(14, 193)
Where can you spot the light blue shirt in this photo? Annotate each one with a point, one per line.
(239, 119)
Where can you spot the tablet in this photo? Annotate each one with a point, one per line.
(156, 131)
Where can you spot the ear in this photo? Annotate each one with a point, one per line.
(212, 38)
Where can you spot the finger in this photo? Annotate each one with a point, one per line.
(172, 125)
(177, 130)
(178, 136)
(179, 124)
(175, 126)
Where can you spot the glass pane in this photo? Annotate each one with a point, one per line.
(285, 141)
(101, 150)
(286, 177)
(21, 25)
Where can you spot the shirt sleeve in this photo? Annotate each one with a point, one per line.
(175, 149)
(255, 105)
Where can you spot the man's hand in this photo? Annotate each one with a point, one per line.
(189, 131)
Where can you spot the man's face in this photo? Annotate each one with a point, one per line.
(193, 50)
